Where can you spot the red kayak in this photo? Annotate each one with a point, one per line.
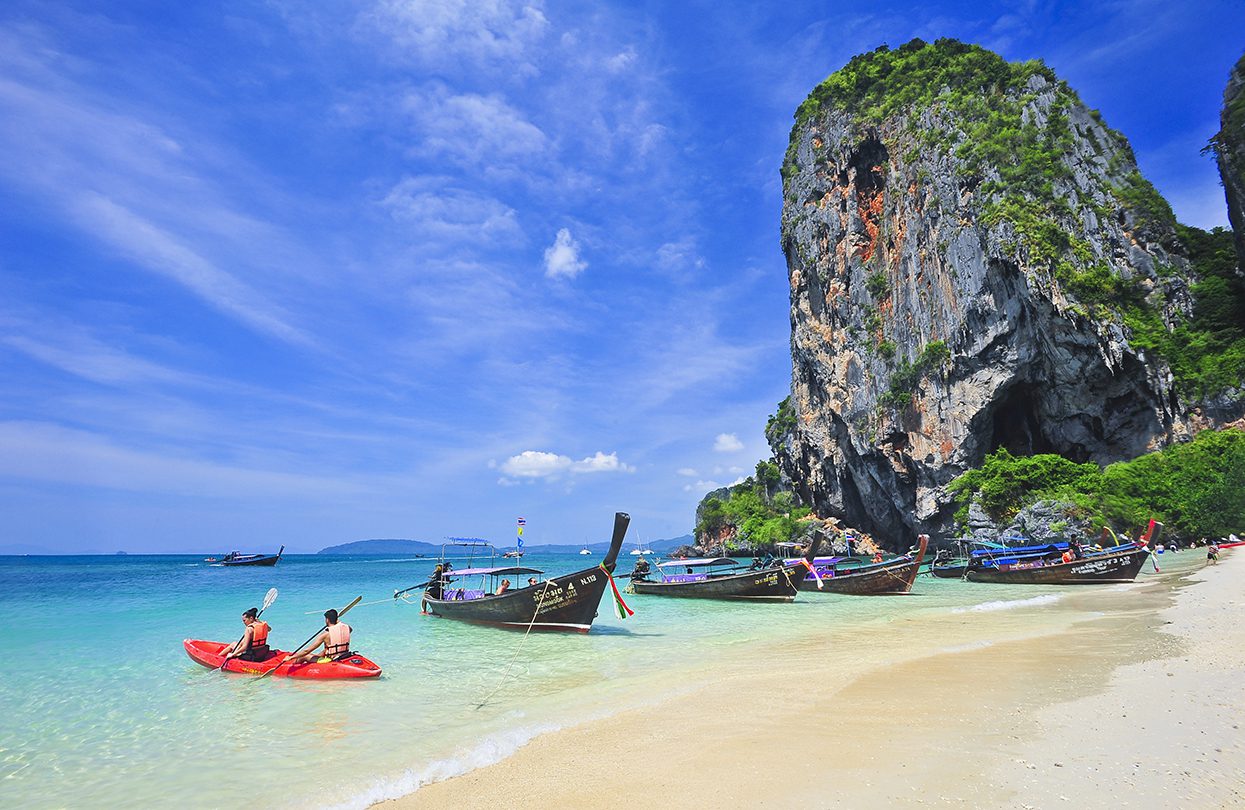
(208, 654)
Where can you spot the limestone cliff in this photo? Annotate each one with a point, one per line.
(975, 262)
(1229, 146)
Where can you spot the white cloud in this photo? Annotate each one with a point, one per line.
(702, 486)
(451, 35)
(687, 472)
(679, 257)
(539, 464)
(439, 210)
(601, 463)
(621, 61)
(727, 443)
(472, 130)
(535, 464)
(562, 257)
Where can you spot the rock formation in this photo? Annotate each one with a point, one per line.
(1229, 146)
(975, 262)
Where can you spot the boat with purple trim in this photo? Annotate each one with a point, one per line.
(567, 603)
(848, 576)
(720, 578)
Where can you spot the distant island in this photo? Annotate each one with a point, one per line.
(419, 547)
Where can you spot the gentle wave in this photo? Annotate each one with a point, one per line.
(969, 647)
(492, 749)
(1009, 604)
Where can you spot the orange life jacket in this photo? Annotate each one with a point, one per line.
(259, 635)
(339, 640)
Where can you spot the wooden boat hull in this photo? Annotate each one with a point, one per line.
(953, 570)
(565, 604)
(777, 584)
(1122, 566)
(894, 576)
(262, 561)
(253, 559)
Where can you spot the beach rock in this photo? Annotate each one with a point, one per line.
(971, 252)
(1040, 522)
(1229, 147)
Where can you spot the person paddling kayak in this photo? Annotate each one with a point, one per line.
(253, 646)
(335, 638)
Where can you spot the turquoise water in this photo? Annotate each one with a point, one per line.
(109, 711)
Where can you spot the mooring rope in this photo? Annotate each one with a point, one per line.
(518, 649)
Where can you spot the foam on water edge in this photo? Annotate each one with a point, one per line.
(491, 749)
(1009, 604)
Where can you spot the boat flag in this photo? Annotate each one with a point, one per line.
(522, 523)
(620, 607)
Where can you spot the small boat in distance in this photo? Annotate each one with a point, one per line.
(720, 578)
(237, 558)
(514, 555)
(584, 551)
(565, 603)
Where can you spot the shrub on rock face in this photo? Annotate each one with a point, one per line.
(1196, 489)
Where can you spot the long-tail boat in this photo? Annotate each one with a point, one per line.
(235, 558)
(695, 579)
(1120, 563)
(895, 575)
(566, 603)
(1110, 566)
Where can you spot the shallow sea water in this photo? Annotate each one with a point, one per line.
(111, 711)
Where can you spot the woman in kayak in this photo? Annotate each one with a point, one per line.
(253, 646)
(335, 638)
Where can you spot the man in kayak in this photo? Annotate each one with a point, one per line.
(335, 638)
(253, 646)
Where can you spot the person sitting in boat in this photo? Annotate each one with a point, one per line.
(503, 587)
(531, 582)
(1067, 556)
(335, 638)
(641, 569)
(877, 556)
(1078, 552)
(436, 582)
(253, 646)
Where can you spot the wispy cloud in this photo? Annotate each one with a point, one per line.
(727, 443)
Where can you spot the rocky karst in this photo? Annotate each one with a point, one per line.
(975, 262)
(1229, 147)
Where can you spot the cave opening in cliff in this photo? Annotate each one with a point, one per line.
(1016, 425)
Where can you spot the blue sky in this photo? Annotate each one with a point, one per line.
(310, 273)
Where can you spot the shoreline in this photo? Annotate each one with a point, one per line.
(985, 720)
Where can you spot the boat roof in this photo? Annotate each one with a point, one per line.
(698, 562)
(504, 570)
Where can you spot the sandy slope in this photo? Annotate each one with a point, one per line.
(1125, 696)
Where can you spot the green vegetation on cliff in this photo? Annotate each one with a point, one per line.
(1007, 127)
(760, 513)
(1196, 489)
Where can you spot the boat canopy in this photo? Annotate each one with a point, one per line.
(505, 570)
(698, 562)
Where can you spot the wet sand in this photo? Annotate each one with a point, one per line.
(1116, 696)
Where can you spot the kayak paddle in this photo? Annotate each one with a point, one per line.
(299, 648)
(269, 598)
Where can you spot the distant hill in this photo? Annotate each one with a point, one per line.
(378, 547)
(384, 547)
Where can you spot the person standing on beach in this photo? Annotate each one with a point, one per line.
(253, 646)
(335, 638)
(1212, 553)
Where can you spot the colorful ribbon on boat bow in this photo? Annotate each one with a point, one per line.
(620, 607)
(812, 569)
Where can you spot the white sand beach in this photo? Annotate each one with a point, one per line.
(1118, 696)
